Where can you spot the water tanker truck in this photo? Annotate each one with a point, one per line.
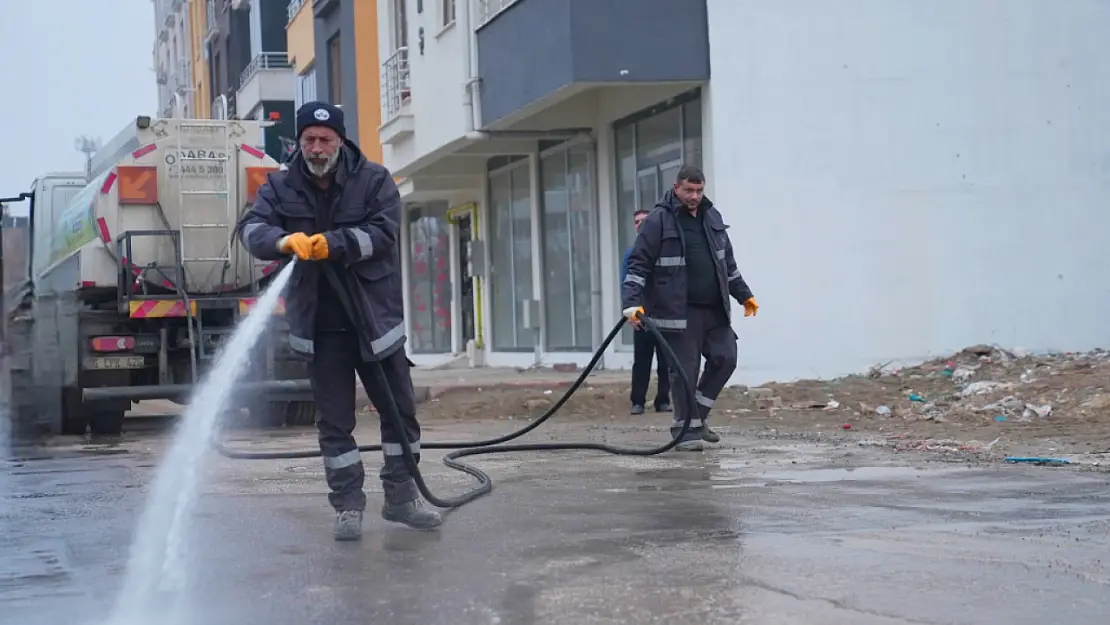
(136, 278)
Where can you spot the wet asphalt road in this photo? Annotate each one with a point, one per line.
(761, 531)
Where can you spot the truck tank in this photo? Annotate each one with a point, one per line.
(137, 279)
(163, 203)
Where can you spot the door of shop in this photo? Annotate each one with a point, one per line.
(464, 234)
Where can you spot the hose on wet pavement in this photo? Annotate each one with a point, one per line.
(496, 445)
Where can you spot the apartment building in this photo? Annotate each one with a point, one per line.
(227, 41)
(300, 35)
(197, 11)
(509, 122)
(266, 85)
(173, 58)
(346, 50)
(892, 174)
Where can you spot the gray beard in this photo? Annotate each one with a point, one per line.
(322, 169)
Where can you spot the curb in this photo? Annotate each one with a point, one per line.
(426, 393)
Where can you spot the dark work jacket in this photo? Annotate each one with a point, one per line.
(362, 244)
(657, 278)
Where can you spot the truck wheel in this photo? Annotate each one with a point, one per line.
(107, 423)
(300, 413)
(288, 413)
(75, 421)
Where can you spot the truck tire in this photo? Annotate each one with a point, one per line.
(287, 414)
(300, 413)
(107, 423)
(75, 421)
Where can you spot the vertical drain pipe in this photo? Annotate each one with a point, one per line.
(471, 100)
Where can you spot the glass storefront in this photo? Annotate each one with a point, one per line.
(651, 146)
(510, 245)
(429, 278)
(567, 212)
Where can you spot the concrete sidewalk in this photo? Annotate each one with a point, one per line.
(431, 383)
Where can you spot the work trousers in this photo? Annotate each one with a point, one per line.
(336, 362)
(708, 334)
(645, 348)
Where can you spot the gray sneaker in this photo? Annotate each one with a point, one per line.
(348, 525)
(413, 514)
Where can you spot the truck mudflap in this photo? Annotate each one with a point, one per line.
(272, 389)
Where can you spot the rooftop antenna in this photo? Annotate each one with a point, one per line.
(87, 146)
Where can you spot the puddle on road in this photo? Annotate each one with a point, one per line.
(844, 474)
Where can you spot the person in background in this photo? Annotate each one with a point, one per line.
(644, 349)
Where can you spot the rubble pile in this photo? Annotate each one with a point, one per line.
(977, 385)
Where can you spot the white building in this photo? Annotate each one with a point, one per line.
(902, 180)
(173, 66)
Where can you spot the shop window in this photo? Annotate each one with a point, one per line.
(567, 213)
(429, 279)
(511, 251)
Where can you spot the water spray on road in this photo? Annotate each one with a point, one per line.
(156, 582)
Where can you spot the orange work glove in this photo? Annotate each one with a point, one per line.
(298, 244)
(634, 313)
(750, 307)
(319, 247)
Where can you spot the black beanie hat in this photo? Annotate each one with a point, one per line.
(320, 114)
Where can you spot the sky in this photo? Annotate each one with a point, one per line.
(74, 67)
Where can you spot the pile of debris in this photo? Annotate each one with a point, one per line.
(977, 385)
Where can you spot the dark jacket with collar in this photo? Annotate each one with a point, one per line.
(656, 275)
(362, 227)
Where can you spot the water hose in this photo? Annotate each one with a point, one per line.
(493, 445)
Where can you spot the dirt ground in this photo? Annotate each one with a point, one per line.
(981, 403)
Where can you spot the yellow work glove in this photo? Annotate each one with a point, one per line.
(298, 244)
(750, 307)
(319, 247)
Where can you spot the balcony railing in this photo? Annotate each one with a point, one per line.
(219, 110)
(488, 9)
(395, 83)
(294, 6)
(262, 61)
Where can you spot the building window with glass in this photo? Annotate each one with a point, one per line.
(510, 211)
(567, 214)
(651, 146)
(429, 279)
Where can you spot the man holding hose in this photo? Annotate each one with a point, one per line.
(332, 206)
(681, 271)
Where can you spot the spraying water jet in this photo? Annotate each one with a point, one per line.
(157, 579)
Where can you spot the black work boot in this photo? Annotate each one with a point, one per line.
(411, 513)
(348, 525)
(710, 436)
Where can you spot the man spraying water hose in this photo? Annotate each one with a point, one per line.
(681, 271)
(333, 206)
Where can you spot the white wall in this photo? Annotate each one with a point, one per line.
(904, 180)
(437, 79)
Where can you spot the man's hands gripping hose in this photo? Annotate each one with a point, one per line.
(304, 247)
(298, 244)
(319, 247)
(634, 314)
(750, 307)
